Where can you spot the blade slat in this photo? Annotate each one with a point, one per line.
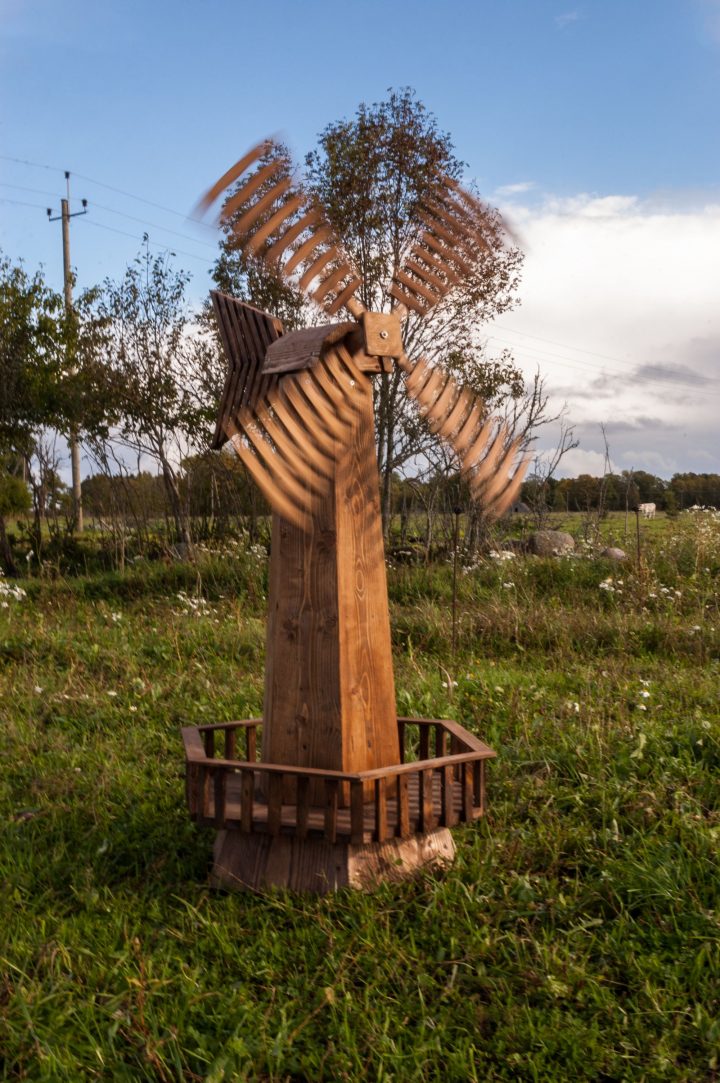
(273, 254)
(320, 236)
(343, 297)
(234, 172)
(245, 223)
(315, 268)
(408, 299)
(433, 260)
(417, 287)
(258, 238)
(250, 187)
(328, 284)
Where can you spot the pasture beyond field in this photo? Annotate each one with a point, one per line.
(576, 937)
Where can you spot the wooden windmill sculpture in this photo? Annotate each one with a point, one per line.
(344, 792)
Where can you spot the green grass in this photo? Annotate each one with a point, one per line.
(577, 936)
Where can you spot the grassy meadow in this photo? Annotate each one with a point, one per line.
(577, 936)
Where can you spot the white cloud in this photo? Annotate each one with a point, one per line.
(514, 189)
(619, 311)
(580, 461)
(566, 19)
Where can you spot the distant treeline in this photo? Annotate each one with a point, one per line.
(615, 492)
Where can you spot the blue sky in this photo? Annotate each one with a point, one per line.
(585, 121)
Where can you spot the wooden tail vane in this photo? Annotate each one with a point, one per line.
(332, 800)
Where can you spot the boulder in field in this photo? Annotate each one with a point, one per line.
(613, 553)
(550, 543)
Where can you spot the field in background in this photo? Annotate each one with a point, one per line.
(576, 937)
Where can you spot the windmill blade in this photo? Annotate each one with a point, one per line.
(460, 232)
(272, 219)
(291, 437)
(483, 445)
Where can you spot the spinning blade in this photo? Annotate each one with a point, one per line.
(484, 447)
(274, 220)
(459, 233)
(290, 438)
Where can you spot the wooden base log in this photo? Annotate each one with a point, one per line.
(258, 861)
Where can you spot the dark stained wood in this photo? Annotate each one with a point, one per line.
(301, 349)
(245, 333)
(381, 811)
(357, 813)
(274, 803)
(219, 791)
(302, 808)
(331, 810)
(403, 806)
(448, 796)
(427, 817)
(247, 799)
(466, 782)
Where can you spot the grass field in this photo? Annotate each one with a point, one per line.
(577, 937)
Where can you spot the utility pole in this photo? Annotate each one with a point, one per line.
(65, 217)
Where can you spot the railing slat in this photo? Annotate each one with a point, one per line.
(401, 739)
(440, 741)
(219, 788)
(357, 814)
(251, 744)
(247, 794)
(467, 792)
(331, 807)
(447, 789)
(274, 803)
(209, 742)
(427, 819)
(381, 825)
(303, 807)
(403, 806)
(424, 742)
(230, 744)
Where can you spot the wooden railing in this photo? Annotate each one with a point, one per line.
(443, 786)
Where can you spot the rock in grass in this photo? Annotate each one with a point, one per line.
(550, 543)
(612, 553)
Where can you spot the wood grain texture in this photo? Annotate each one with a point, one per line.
(259, 862)
(329, 686)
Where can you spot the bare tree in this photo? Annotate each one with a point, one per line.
(164, 372)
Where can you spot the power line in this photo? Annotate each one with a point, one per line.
(153, 225)
(102, 184)
(153, 244)
(21, 203)
(23, 188)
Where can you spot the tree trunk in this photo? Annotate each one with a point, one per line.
(182, 524)
(6, 553)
